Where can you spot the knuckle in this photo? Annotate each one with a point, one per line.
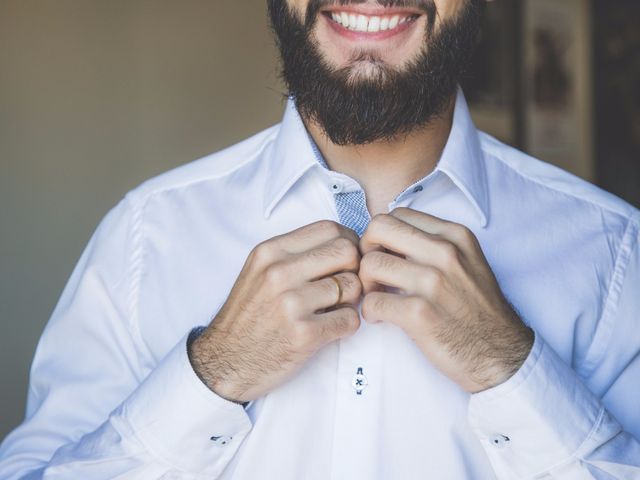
(418, 307)
(329, 286)
(450, 254)
(376, 223)
(349, 251)
(433, 282)
(292, 304)
(264, 253)
(275, 274)
(344, 322)
(352, 235)
(463, 233)
(343, 244)
(371, 304)
(379, 303)
(351, 283)
(349, 321)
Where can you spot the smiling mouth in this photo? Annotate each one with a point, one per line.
(357, 22)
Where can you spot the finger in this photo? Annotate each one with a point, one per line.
(330, 326)
(335, 256)
(313, 235)
(297, 241)
(458, 234)
(409, 241)
(388, 232)
(378, 268)
(407, 312)
(322, 294)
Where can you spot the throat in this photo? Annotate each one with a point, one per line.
(385, 169)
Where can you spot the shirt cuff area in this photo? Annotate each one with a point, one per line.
(181, 421)
(540, 418)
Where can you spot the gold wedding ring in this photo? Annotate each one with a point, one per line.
(339, 287)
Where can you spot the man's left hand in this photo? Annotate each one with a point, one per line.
(429, 277)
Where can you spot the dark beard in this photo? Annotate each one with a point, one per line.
(356, 110)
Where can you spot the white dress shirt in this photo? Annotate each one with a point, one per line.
(112, 393)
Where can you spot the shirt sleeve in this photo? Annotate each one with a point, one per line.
(97, 408)
(548, 422)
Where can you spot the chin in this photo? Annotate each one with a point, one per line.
(364, 71)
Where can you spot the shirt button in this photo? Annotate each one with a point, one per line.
(419, 188)
(222, 440)
(336, 187)
(359, 381)
(499, 441)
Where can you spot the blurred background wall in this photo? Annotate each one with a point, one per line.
(95, 97)
(98, 95)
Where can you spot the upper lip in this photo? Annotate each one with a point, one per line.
(371, 10)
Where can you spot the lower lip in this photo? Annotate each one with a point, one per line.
(381, 35)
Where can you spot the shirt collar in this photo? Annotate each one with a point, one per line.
(291, 157)
(462, 159)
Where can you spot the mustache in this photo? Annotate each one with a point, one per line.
(427, 6)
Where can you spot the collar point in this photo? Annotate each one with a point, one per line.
(268, 210)
(483, 213)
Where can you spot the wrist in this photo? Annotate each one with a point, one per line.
(513, 358)
(203, 365)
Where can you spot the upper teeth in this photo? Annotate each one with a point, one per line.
(364, 23)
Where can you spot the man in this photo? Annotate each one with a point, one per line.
(394, 295)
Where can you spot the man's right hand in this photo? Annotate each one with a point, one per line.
(281, 311)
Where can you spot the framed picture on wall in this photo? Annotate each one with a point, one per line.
(557, 85)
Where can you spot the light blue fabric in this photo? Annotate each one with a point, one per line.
(351, 206)
(352, 210)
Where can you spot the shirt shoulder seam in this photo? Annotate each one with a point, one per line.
(605, 325)
(134, 271)
(147, 190)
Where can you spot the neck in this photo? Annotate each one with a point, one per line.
(386, 168)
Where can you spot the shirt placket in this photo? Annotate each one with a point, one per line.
(359, 369)
(361, 357)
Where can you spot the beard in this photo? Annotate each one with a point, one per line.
(356, 107)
